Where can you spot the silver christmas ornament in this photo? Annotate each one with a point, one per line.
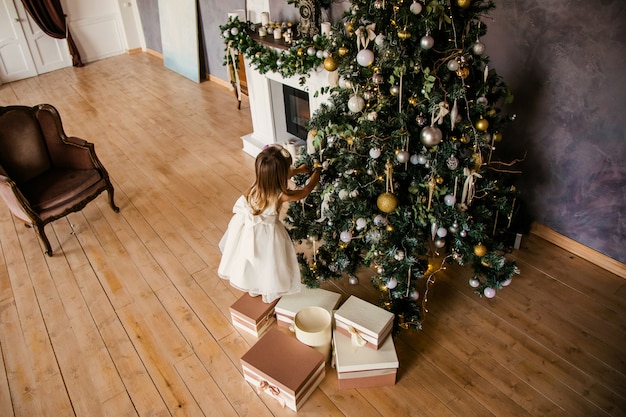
(478, 48)
(353, 280)
(427, 42)
(403, 157)
(431, 136)
(453, 65)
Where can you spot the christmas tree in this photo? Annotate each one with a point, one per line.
(406, 142)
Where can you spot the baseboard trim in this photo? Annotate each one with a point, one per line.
(154, 53)
(578, 249)
(219, 81)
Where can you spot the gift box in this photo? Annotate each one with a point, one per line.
(282, 367)
(289, 305)
(360, 366)
(366, 323)
(252, 315)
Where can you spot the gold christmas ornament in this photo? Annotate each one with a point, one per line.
(464, 138)
(343, 51)
(330, 64)
(300, 51)
(463, 72)
(404, 34)
(497, 137)
(463, 4)
(413, 101)
(387, 202)
(482, 124)
(480, 250)
(389, 228)
(439, 180)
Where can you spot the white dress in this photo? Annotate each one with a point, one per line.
(258, 255)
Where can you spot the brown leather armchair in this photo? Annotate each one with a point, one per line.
(45, 175)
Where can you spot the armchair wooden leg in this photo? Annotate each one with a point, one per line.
(44, 239)
(111, 192)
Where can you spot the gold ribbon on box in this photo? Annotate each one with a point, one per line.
(271, 390)
(356, 338)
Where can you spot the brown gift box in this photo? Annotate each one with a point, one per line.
(283, 368)
(252, 315)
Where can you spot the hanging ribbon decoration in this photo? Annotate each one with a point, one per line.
(232, 54)
(443, 112)
(365, 34)
(469, 187)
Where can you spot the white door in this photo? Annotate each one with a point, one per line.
(25, 50)
(15, 59)
(48, 53)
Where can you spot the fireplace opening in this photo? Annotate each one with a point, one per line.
(297, 111)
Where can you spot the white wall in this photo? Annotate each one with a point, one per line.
(104, 28)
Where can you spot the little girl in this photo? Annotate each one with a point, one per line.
(258, 255)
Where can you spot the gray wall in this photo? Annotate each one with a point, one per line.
(564, 60)
(565, 63)
(149, 15)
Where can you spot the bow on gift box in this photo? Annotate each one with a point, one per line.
(272, 391)
(356, 338)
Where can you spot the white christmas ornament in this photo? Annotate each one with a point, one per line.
(345, 236)
(374, 153)
(392, 283)
(380, 39)
(442, 232)
(415, 159)
(449, 200)
(365, 57)
(356, 103)
(372, 116)
(489, 292)
(361, 223)
(506, 282)
(416, 7)
(474, 283)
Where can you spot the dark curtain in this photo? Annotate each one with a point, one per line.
(49, 16)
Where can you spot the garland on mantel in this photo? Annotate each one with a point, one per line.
(303, 55)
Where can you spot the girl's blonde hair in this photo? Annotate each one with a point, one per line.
(272, 174)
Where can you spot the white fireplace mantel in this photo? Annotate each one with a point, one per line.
(267, 109)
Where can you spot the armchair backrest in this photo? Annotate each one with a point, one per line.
(23, 151)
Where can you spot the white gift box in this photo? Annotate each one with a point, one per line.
(290, 304)
(252, 315)
(366, 323)
(361, 366)
(282, 367)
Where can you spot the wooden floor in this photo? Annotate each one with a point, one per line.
(129, 317)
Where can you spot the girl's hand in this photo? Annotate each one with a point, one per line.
(302, 169)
